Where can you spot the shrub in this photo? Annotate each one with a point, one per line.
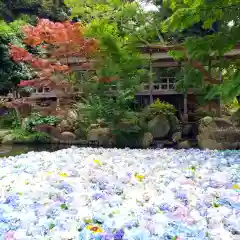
(160, 107)
(8, 119)
(23, 136)
(38, 119)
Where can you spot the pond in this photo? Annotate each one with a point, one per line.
(14, 150)
(95, 193)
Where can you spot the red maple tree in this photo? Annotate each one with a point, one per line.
(59, 40)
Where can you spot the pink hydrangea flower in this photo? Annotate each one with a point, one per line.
(9, 236)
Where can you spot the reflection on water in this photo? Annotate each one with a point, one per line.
(6, 151)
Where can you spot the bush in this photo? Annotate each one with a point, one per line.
(38, 119)
(8, 119)
(158, 108)
(23, 136)
(231, 107)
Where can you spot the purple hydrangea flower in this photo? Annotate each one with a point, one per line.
(118, 235)
(97, 196)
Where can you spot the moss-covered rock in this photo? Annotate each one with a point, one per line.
(8, 139)
(3, 133)
(159, 126)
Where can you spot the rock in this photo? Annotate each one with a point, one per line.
(80, 133)
(68, 136)
(52, 131)
(101, 135)
(94, 126)
(174, 124)
(206, 122)
(8, 139)
(147, 140)
(25, 125)
(72, 116)
(176, 137)
(184, 145)
(159, 126)
(101, 123)
(218, 133)
(65, 126)
(187, 130)
(236, 117)
(223, 122)
(3, 133)
(209, 144)
(24, 109)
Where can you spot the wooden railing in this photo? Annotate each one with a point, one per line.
(165, 84)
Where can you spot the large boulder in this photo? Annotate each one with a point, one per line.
(159, 126)
(102, 136)
(218, 133)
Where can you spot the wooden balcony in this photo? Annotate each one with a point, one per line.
(165, 86)
(49, 93)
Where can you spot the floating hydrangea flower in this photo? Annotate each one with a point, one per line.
(9, 236)
(94, 228)
(63, 174)
(98, 162)
(166, 204)
(97, 196)
(139, 177)
(118, 235)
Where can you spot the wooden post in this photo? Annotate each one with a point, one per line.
(219, 109)
(210, 72)
(151, 78)
(185, 109)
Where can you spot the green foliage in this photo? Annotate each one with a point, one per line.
(8, 120)
(221, 19)
(133, 23)
(23, 136)
(10, 72)
(113, 23)
(160, 107)
(38, 119)
(231, 107)
(52, 9)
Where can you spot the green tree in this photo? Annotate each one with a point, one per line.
(113, 24)
(55, 10)
(134, 24)
(222, 16)
(10, 73)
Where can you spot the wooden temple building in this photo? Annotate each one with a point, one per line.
(162, 84)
